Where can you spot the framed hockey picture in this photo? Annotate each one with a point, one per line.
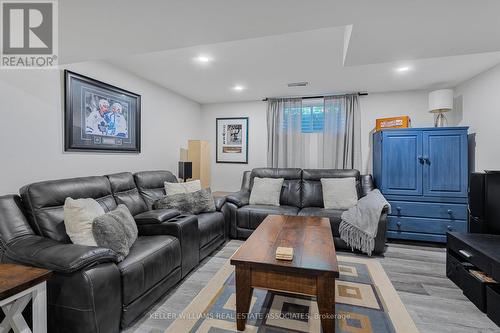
(232, 140)
(100, 117)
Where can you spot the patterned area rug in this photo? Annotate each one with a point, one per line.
(366, 302)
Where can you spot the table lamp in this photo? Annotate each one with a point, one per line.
(441, 101)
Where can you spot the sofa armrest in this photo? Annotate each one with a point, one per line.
(230, 214)
(60, 257)
(219, 202)
(241, 198)
(367, 184)
(185, 229)
(381, 237)
(156, 216)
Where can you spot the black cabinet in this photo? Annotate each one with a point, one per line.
(467, 253)
(493, 303)
(456, 269)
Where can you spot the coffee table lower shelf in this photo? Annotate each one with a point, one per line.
(320, 285)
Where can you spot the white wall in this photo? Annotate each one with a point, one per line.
(31, 135)
(227, 177)
(382, 105)
(31, 127)
(478, 101)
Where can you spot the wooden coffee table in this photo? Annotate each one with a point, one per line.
(312, 271)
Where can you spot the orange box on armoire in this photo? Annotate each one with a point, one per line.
(393, 122)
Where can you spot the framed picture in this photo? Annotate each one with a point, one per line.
(100, 117)
(232, 140)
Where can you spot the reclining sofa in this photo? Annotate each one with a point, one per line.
(301, 194)
(90, 290)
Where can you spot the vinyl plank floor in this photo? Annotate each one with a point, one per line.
(417, 271)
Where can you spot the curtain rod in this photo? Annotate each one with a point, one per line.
(359, 93)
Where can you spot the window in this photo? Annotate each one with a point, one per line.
(312, 116)
(313, 119)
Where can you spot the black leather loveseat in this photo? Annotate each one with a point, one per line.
(91, 291)
(301, 195)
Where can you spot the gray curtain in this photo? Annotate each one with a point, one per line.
(285, 148)
(338, 146)
(342, 133)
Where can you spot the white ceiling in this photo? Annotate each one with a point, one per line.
(265, 66)
(264, 44)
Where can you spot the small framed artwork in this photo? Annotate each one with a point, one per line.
(232, 140)
(100, 117)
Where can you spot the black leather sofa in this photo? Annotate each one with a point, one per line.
(301, 195)
(211, 225)
(91, 291)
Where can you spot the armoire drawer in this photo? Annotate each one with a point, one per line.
(429, 209)
(425, 225)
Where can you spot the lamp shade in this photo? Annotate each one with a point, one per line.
(441, 100)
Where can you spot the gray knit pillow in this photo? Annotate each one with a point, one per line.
(116, 230)
(197, 202)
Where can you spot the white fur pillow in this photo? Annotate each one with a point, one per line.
(187, 187)
(339, 193)
(266, 191)
(78, 217)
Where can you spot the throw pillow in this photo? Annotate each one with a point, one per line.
(187, 187)
(339, 193)
(78, 217)
(116, 230)
(266, 191)
(197, 202)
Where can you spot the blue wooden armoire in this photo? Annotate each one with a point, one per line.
(423, 173)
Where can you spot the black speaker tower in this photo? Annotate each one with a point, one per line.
(185, 170)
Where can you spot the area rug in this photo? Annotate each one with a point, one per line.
(366, 302)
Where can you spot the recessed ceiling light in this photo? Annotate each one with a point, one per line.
(298, 84)
(238, 87)
(203, 59)
(403, 69)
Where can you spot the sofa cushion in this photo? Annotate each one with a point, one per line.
(312, 193)
(79, 215)
(126, 192)
(192, 203)
(339, 193)
(116, 230)
(266, 191)
(150, 259)
(185, 187)
(333, 214)
(251, 216)
(44, 202)
(211, 226)
(291, 190)
(151, 184)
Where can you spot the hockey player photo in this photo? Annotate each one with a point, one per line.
(100, 117)
(105, 117)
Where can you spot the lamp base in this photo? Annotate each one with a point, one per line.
(440, 120)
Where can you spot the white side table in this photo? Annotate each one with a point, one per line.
(18, 285)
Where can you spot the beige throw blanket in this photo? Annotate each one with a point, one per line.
(359, 224)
